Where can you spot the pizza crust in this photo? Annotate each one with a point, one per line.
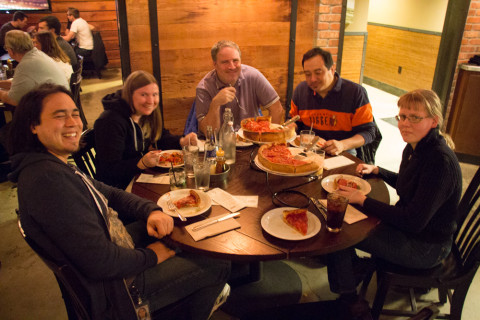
(192, 200)
(305, 166)
(283, 135)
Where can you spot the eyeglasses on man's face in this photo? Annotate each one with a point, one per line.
(411, 119)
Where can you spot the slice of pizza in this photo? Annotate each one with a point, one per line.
(192, 200)
(341, 181)
(297, 219)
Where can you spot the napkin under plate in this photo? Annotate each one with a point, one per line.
(336, 162)
(212, 230)
(352, 215)
(150, 178)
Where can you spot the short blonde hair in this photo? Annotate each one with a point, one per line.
(18, 41)
(429, 101)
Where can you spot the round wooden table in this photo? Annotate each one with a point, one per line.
(250, 242)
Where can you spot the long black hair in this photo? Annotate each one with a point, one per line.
(27, 115)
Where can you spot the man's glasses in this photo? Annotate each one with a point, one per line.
(411, 119)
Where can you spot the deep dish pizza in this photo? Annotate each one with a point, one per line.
(192, 200)
(261, 129)
(165, 158)
(277, 157)
(297, 219)
(341, 181)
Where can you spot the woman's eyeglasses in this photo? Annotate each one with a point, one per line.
(411, 119)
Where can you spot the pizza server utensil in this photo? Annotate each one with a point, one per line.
(228, 216)
(308, 147)
(173, 207)
(297, 117)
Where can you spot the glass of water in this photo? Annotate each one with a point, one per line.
(201, 170)
(306, 137)
(189, 154)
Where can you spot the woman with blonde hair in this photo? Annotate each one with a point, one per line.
(46, 42)
(130, 131)
(416, 232)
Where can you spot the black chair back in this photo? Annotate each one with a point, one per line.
(98, 59)
(75, 88)
(85, 157)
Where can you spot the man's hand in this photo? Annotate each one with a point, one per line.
(159, 224)
(334, 147)
(163, 252)
(189, 139)
(224, 96)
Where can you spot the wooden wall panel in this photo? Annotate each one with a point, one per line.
(101, 14)
(188, 29)
(353, 46)
(389, 48)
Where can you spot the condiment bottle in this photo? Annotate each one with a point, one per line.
(228, 138)
(220, 167)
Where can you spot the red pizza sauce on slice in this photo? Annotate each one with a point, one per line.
(297, 219)
(192, 200)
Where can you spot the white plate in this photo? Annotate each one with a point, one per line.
(328, 183)
(168, 165)
(296, 143)
(294, 151)
(205, 203)
(240, 133)
(242, 144)
(272, 222)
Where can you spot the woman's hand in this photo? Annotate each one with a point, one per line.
(162, 251)
(159, 224)
(364, 168)
(354, 195)
(149, 160)
(189, 139)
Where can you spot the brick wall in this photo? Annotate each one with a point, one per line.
(470, 43)
(328, 25)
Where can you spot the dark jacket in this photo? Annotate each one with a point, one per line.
(117, 158)
(60, 215)
(429, 185)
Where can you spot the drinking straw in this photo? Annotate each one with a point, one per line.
(173, 172)
(311, 127)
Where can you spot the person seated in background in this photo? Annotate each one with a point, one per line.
(130, 129)
(73, 217)
(81, 31)
(45, 41)
(338, 109)
(34, 68)
(233, 85)
(416, 232)
(19, 21)
(52, 24)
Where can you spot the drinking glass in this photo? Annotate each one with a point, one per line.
(336, 207)
(201, 170)
(319, 158)
(306, 137)
(189, 154)
(177, 178)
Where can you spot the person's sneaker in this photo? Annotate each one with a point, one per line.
(222, 297)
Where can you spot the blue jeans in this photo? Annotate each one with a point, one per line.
(387, 243)
(201, 279)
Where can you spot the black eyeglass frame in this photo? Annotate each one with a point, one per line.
(411, 119)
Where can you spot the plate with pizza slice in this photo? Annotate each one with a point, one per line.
(280, 160)
(261, 130)
(242, 142)
(170, 156)
(296, 142)
(290, 223)
(331, 183)
(190, 202)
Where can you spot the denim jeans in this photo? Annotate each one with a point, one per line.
(199, 278)
(387, 243)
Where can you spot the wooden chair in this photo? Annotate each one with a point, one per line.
(452, 278)
(75, 88)
(85, 157)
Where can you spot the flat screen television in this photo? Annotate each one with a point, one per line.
(10, 6)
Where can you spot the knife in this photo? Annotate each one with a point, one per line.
(320, 207)
(228, 216)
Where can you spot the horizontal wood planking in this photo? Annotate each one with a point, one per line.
(187, 30)
(390, 48)
(101, 14)
(353, 46)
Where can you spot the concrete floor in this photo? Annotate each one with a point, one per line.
(28, 289)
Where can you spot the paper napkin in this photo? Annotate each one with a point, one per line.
(248, 201)
(212, 230)
(225, 199)
(336, 162)
(352, 215)
(150, 178)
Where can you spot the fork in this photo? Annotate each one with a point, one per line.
(173, 208)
